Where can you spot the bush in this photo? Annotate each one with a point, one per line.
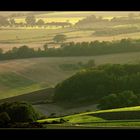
(90, 63)
(19, 111)
(4, 118)
(123, 99)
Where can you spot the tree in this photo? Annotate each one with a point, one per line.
(1, 51)
(4, 118)
(40, 22)
(30, 20)
(3, 21)
(122, 99)
(18, 112)
(12, 21)
(90, 63)
(59, 38)
(45, 47)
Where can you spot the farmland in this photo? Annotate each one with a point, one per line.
(36, 37)
(90, 120)
(46, 72)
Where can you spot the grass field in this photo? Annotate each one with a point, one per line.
(90, 120)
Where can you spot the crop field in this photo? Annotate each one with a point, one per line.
(38, 37)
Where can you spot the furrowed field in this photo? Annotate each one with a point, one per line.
(36, 37)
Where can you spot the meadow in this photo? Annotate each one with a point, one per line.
(90, 119)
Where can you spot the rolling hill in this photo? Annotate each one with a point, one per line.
(28, 75)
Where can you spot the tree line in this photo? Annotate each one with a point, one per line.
(73, 49)
(31, 21)
(93, 21)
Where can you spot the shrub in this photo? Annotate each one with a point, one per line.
(123, 99)
(20, 111)
(4, 118)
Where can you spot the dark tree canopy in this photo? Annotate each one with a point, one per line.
(40, 22)
(30, 20)
(19, 112)
(91, 85)
(59, 38)
(122, 99)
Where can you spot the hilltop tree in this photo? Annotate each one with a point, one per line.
(59, 38)
(30, 20)
(40, 22)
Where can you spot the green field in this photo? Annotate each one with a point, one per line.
(90, 119)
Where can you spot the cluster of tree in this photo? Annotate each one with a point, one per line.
(90, 20)
(115, 31)
(73, 49)
(91, 85)
(118, 100)
(30, 20)
(93, 21)
(78, 66)
(17, 112)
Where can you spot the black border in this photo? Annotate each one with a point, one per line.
(69, 5)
